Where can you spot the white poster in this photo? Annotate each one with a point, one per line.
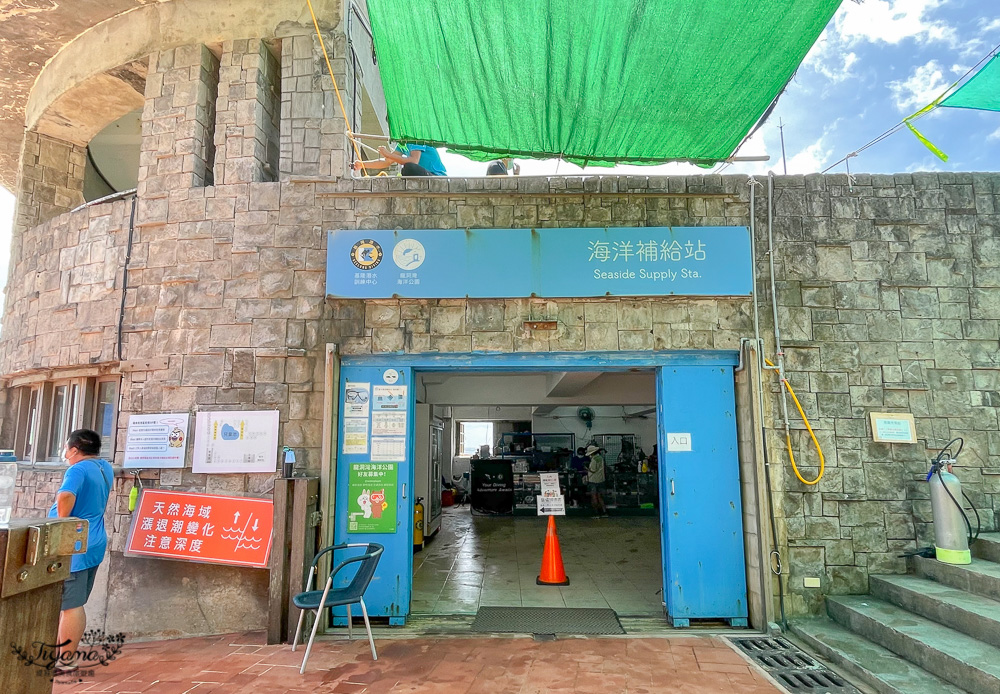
(156, 440)
(551, 505)
(389, 424)
(389, 397)
(356, 435)
(236, 442)
(389, 448)
(356, 396)
(550, 484)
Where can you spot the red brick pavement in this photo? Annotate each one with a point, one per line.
(240, 663)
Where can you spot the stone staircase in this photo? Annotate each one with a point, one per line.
(936, 631)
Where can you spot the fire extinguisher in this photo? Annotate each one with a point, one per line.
(418, 524)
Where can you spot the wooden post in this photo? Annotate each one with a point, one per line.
(292, 551)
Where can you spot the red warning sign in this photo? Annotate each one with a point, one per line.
(201, 527)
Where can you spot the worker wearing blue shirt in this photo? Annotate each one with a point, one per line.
(416, 160)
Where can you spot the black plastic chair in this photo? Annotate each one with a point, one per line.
(319, 600)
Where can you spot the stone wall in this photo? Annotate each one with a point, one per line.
(51, 179)
(246, 134)
(64, 290)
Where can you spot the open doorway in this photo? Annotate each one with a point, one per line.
(483, 548)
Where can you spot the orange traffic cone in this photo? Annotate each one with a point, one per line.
(553, 573)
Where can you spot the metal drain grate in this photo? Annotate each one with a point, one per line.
(791, 667)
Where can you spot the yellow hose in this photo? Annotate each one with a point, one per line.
(788, 437)
(336, 89)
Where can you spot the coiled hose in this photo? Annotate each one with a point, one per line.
(788, 436)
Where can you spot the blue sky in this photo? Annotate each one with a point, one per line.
(877, 62)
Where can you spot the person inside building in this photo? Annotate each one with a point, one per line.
(416, 160)
(595, 480)
(84, 494)
(578, 468)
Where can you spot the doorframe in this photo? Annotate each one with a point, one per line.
(459, 362)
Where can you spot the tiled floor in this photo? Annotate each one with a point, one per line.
(240, 664)
(474, 560)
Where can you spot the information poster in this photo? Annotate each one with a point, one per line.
(371, 491)
(389, 448)
(389, 424)
(389, 397)
(156, 440)
(356, 436)
(551, 501)
(492, 483)
(356, 399)
(227, 442)
(201, 527)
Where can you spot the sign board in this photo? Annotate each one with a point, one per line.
(201, 527)
(371, 498)
(678, 442)
(156, 440)
(893, 427)
(492, 487)
(551, 501)
(237, 441)
(579, 262)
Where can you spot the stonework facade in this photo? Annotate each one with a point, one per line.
(888, 299)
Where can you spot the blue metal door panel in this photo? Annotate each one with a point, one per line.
(702, 516)
(388, 595)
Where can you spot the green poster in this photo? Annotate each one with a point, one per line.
(371, 502)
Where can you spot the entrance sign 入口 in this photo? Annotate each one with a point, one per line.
(551, 263)
(893, 427)
(678, 442)
(371, 498)
(226, 442)
(156, 440)
(201, 527)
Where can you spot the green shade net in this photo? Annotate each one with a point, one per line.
(982, 91)
(593, 81)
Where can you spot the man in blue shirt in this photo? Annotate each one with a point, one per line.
(84, 494)
(417, 160)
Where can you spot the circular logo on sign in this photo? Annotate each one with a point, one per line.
(390, 376)
(408, 254)
(366, 254)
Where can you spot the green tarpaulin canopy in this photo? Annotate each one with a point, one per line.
(982, 91)
(593, 81)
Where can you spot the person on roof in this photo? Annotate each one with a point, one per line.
(416, 160)
(500, 167)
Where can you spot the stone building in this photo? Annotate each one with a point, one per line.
(205, 290)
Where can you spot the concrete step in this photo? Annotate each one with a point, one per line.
(951, 655)
(867, 662)
(981, 577)
(970, 614)
(987, 547)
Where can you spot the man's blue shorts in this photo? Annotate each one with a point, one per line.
(77, 588)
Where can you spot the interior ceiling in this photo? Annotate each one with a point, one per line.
(545, 390)
(31, 32)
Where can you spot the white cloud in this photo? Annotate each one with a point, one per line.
(990, 27)
(892, 21)
(919, 89)
(813, 158)
(993, 136)
(827, 57)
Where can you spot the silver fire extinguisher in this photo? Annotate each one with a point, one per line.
(952, 529)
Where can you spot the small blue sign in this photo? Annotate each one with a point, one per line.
(550, 263)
